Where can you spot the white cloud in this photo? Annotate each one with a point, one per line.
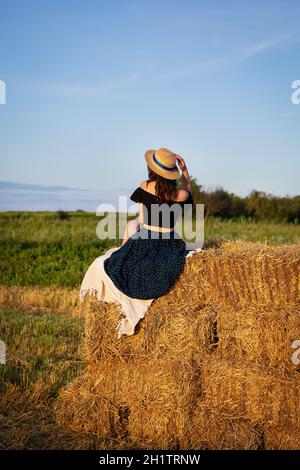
(261, 46)
(289, 113)
(100, 90)
(210, 64)
(237, 56)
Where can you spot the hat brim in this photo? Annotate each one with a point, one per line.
(170, 175)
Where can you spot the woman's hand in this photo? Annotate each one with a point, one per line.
(181, 163)
(186, 182)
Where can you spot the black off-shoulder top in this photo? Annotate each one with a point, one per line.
(164, 215)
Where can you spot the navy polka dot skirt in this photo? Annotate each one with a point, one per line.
(148, 264)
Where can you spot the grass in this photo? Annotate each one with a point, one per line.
(40, 249)
(248, 230)
(39, 342)
(44, 352)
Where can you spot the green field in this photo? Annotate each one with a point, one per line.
(40, 249)
(44, 345)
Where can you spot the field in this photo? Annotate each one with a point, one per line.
(43, 259)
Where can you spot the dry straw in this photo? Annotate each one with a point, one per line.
(25, 298)
(259, 336)
(209, 366)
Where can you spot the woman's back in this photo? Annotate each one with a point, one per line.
(157, 212)
(150, 186)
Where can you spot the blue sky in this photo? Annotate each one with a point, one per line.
(93, 84)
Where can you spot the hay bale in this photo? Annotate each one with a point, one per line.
(213, 431)
(259, 336)
(252, 393)
(149, 405)
(169, 331)
(208, 366)
(85, 406)
(278, 438)
(242, 274)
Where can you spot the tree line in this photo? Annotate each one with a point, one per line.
(257, 205)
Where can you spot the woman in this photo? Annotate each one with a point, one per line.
(153, 254)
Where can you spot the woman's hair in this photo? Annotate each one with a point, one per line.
(166, 190)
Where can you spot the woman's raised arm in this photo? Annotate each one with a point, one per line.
(186, 182)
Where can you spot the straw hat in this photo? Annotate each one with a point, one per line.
(163, 162)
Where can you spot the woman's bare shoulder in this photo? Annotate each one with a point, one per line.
(148, 186)
(143, 184)
(182, 195)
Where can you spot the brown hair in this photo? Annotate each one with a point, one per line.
(165, 189)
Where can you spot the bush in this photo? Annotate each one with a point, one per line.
(62, 215)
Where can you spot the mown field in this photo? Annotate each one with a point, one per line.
(43, 259)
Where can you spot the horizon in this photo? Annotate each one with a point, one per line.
(31, 197)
